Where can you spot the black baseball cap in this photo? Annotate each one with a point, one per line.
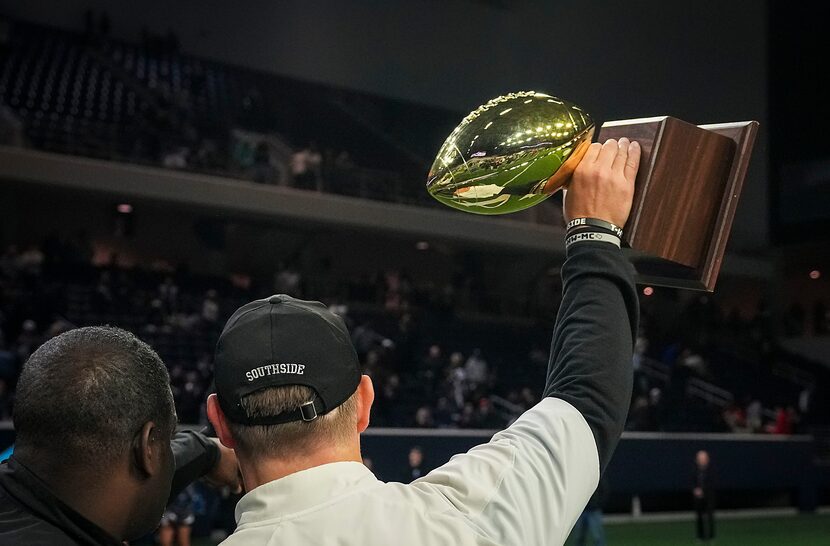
(281, 341)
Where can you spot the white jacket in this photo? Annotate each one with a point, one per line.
(525, 487)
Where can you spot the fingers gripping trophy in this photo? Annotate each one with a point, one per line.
(517, 150)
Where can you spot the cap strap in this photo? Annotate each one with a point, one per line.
(307, 412)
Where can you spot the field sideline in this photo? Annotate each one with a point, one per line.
(801, 530)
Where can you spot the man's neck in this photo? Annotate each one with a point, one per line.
(256, 472)
(85, 492)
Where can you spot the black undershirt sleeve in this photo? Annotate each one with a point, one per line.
(195, 456)
(593, 341)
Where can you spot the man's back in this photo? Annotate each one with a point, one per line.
(512, 490)
(527, 486)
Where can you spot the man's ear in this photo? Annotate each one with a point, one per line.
(147, 446)
(220, 423)
(365, 398)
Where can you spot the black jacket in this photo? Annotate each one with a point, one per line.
(703, 478)
(593, 341)
(30, 514)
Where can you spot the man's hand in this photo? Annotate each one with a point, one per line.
(602, 186)
(226, 471)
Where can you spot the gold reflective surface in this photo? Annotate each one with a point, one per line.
(510, 154)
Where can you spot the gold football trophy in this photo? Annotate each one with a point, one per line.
(516, 150)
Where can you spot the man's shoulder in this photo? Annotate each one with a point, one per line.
(19, 526)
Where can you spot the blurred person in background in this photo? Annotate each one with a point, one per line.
(784, 421)
(177, 521)
(755, 416)
(210, 308)
(704, 498)
(590, 522)
(476, 371)
(415, 467)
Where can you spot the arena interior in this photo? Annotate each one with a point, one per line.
(162, 163)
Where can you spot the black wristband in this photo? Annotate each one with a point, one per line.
(593, 229)
(595, 222)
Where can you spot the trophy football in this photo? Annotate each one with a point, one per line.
(516, 150)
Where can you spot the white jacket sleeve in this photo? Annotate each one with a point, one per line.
(529, 484)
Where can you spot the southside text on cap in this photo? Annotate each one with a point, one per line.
(283, 341)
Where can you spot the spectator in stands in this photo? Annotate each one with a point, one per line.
(104, 294)
(431, 369)
(93, 462)
(178, 158)
(486, 416)
(190, 397)
(735, 418)
(306, 168)
(755, 416)
(694, 362)
(784, 421)
(210, 308)
(28, 340)
(168, 293)
(656, 408)
(341, 169)
(467, 419)
(365, 338)
(207, 156)
(315, 165)
(457, 379)
(527, 398)
(186, 319)
(263, 170)
(476, 371)
(704, 497)
(638, 417)
(156, 318)
(444, 416)
(423, 418)
(288, 280)
(30, 262)
(415, 467)
(388, 407)
(807, 405)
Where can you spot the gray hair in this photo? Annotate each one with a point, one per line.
(295, 438)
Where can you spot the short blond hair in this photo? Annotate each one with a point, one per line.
(295, 438)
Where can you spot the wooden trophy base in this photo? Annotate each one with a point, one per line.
(685, 198)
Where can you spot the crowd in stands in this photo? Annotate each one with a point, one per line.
(430, 368)
(149, 102)
(44, 293)
(89, 94)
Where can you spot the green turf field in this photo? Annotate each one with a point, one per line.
(772, 531)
